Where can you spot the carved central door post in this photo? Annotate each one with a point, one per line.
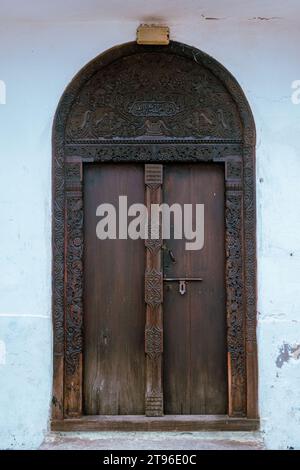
(153, 296)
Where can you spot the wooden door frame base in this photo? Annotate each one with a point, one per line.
(164, 423)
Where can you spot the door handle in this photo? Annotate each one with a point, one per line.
(172, 256)
(170, 252)
(182, 282)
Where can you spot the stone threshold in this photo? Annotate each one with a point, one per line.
(116, 440)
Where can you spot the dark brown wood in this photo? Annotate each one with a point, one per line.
(101, 118)
(249, 313)
(252, 385)
(153, 297)
(234, 242)
(195, 369)
(73, 291)
(183, 423)
(114, 318)
(58, 392)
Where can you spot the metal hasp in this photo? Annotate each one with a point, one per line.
(182, 282)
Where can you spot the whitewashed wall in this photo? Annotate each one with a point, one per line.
(37, 61)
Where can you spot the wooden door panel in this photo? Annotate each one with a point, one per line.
(114, 308)
(195, 375)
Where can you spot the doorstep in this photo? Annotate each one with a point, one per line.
(116, 440)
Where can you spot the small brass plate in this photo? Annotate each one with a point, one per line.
(152, 34)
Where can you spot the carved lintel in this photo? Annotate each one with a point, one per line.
(189, 101)
(120, 151)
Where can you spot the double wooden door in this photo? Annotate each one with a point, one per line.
(154, 312)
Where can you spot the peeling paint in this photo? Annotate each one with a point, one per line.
(287, 352)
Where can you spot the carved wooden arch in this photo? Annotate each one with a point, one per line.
(112, 112)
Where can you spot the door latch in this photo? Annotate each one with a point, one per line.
(182, 282)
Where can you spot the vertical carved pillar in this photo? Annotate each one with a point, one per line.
(58, 287)
(153, 298)
(74, 290)
(234, 288)
(250, 281)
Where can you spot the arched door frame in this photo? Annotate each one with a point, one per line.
(238, 157)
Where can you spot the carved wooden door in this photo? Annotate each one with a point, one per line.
(182, 305)
(136, 332)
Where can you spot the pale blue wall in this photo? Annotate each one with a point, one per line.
(37, 62)
(25, 381)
